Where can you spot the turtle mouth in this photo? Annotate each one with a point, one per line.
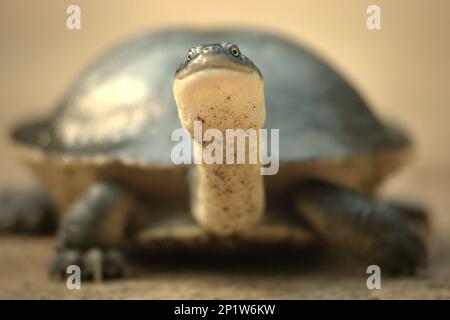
(209, 61)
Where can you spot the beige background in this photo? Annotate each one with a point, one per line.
(403, 71)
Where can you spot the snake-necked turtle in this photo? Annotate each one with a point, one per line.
(105, 156)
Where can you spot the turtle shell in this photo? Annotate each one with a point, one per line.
(116, 121)
(122, 107)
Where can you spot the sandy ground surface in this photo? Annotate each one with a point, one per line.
(23, 262)
(402, 70)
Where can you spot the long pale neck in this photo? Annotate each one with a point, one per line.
(227, 198)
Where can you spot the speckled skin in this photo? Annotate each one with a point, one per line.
(224, 91)
(111, 135)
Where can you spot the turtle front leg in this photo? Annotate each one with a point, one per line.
(29, 211)
(91, 229)
(381, 233)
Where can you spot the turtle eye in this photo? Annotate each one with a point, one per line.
(234, 51)
(189, 55)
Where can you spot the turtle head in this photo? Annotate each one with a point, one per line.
(220, 86)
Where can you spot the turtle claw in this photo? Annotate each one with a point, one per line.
(401, 240)
(96, 264)
(402, 253)
(416, 217)
(27, 212)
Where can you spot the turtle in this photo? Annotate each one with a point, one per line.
(110, 184)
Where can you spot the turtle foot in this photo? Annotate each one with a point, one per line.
(95, 264)
(27, 212)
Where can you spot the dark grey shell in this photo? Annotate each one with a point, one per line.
(123, 107)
